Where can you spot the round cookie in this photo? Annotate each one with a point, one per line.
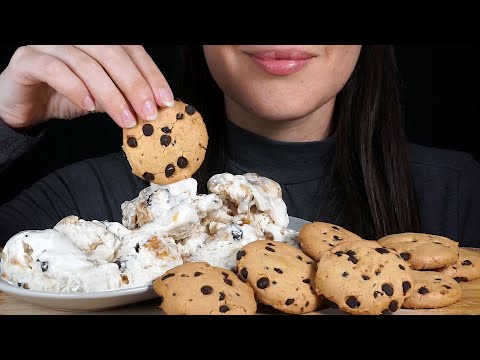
(317, 237)
(423, 251)
(280, 274)
(362, 277)
(467, 267)
(201, 289)
(168, 149)
(432, 290)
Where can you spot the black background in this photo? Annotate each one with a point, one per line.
(440, 97)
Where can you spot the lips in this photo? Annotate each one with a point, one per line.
(281, 62)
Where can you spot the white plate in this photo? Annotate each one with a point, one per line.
(95, 301)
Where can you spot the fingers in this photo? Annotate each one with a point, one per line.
(40, 67)
(106, 93)
(152, 74)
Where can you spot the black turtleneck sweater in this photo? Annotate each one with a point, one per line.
(446, 184)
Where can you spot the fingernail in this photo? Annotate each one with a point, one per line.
(149, 110)
(166, 96)
(88, 103)
(128, 119)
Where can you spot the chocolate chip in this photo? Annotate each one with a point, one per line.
(44, 266)
(386, 312)
(352, 302)
(190, 110)
(423, 290)
(263, 283)
(447, 287)
(222, 296)
(376, 294)
(241, 254)
(19, 284)
(339, 253)
(132, 142)
(165, 140)
(466, 263)
(206, 290)
(353, 259)
(387, 289)
(299, 257)
(237, 234)
(289, 301)
(167, 276)
(224, 308)
(274, 282)
(166, 130)
(161, 300)
(377, 272)
(169, 170)
(401, 267)
(147, 129)
(351, 253)
(227, 281)
(405, 256)
(406, 286)
(278, 270)
(336, 238)
(137, 248)
(460, 279)
(382, 250)
(309, 262)
(336, 228)
(438, 279)
(244, 273)
(225, 275)
(306, 281)
(393, 306)
(365, 277)
(148, 176)
(174, 294)
(182, 162)
(270, 244)
(184, 275)
(121, 265)
(269, 249)
(344, 274)
(179, 116)
(197, 273)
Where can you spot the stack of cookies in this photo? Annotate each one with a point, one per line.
(334, 268)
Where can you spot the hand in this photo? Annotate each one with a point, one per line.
(42, 82)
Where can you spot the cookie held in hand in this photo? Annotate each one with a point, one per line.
(168, 149)
(201, 289)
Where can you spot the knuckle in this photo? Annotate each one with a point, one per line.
(53, 67)
(21, 53)
(139, 88)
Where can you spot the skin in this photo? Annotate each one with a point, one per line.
(43, 82)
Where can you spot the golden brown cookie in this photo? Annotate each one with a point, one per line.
(362, 277)
(317, 237)
(168, 149)
(432, 290)
(423, 251)
(280, 274)
(201, 289)
(467, 267)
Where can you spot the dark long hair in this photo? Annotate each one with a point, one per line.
(371, 189)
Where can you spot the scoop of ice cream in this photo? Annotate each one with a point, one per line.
(221, 250)
(94, 238)
(49, 261)
(173, 209)
(248, 192)
(145, 255)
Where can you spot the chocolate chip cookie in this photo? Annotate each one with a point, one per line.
(362, 277)
(432, 290)
(317, 237)
(423, 251)
(201, 289)
(281, 276)
(168, 149)
(466, 268)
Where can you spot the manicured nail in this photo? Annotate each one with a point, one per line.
(128, 119)
(166, 96)
(88, 103)
(150, 110)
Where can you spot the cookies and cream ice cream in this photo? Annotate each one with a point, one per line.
(163, 227)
